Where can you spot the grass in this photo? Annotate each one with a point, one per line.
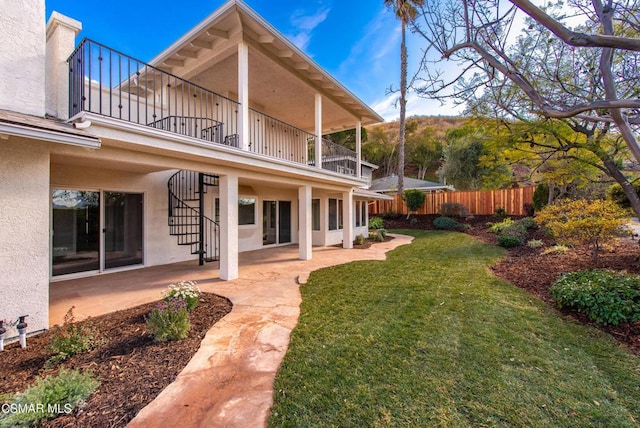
(430, 338)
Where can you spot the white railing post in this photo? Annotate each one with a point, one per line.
(243, 95)
(359, 149)
(318, 120)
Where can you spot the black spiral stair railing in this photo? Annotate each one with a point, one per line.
(186, 216)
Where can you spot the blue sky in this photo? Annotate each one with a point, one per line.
(357, 41)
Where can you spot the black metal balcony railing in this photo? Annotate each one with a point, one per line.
(109, 83)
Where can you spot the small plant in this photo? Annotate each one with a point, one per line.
(186, 290)
(452, 209)
(413, 221)
(376, 223)
(509, 241)
(48, 398)
(446, 223)
(528, 223)
(535, 243)
(556, 249)
(360, 240)
(169, 320)
(378, 237)
(383, 233)
(500, 212)
(500, 227)
(71, 338)
(606, 297)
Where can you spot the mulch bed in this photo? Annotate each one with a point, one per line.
(131, 367)
(529, 269)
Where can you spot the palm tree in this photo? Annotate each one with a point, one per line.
(406, 11)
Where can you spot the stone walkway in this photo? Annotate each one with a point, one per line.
(229, 381)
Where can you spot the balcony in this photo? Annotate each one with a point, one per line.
(109, 83)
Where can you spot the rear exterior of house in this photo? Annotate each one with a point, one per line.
(212, 148)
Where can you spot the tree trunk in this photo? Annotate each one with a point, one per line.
(627, 188)
(403, 108)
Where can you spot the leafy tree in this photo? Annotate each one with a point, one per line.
(586, 78)
(425, 150)
(380, 150)
(405, 11)
(347, 138)
(414, 199)
(582, 222)
(617, 195)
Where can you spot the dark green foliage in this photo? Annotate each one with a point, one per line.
(376, 223)
(540, 196)
(452, 209)
(528, 223)
(606, 297)
(56, 394)
(500, 212)
(446, 223)
(169, 320)
(509, 241)
(360, 239)
(414, 199)
(616, 194)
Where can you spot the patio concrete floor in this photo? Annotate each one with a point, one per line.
(229, 381)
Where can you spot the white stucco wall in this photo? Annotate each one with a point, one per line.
(22, 56)
(24, 232)
(160, 247)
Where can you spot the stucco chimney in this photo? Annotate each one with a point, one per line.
(61, 39)
(22, 56)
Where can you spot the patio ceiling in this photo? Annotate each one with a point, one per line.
(282, 79)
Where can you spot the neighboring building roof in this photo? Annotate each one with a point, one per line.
(211, 42)
(39, 128)
(362, 193)
(390, 184)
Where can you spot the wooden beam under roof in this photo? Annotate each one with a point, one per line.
(202, 44)
(218, 33)
(266, 38)
(174, 62)
(188, 54)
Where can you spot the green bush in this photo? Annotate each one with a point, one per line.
(376, 223)
(48, 398)
(383, 233)
(185, 290)
(169, 320)
(360, 239)
(446, 223)
(500, 212)
(414, 199)
(71, 338)
(528, 223)
(452, 209)
(606, 297)
(378, 237)
(509, 241)
(615, 194)
(540, 196)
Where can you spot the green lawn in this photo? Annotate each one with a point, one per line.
(430, 338)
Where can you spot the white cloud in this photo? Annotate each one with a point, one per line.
(305, 24)
(389, 108)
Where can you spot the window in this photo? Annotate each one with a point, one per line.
(363, 213)
(315, 214)
(335, 214)
(246, 211)
(358, 213)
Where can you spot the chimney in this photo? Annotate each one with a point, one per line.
(22, 56)
(61, 40)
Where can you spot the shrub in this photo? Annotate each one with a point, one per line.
(452, 209)
(528, 209)
(185, 290)
(556, 249)
(606, 297)
(378, 237)
(414, 200)
(360, 239)
(582, 222)
(71, 338)
(169, 320)
(383, 233)
(540, 197)
(446, 223)
(57, 394)
(528, 223)
(413, 221)
(500, 212)
(616, 194)
(535, 243)
(376, 223)
(509, 241)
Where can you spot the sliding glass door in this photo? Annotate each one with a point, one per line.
(276, 222)
(77, 219)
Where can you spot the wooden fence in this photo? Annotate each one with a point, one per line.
(477, 202)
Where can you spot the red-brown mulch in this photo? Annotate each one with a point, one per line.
(131, 367)
(529, 269)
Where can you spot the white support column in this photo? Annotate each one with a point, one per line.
(347, 219)
(318, 159)
(359, 149)
(228, 227)
(305, 222)
(243, 95)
